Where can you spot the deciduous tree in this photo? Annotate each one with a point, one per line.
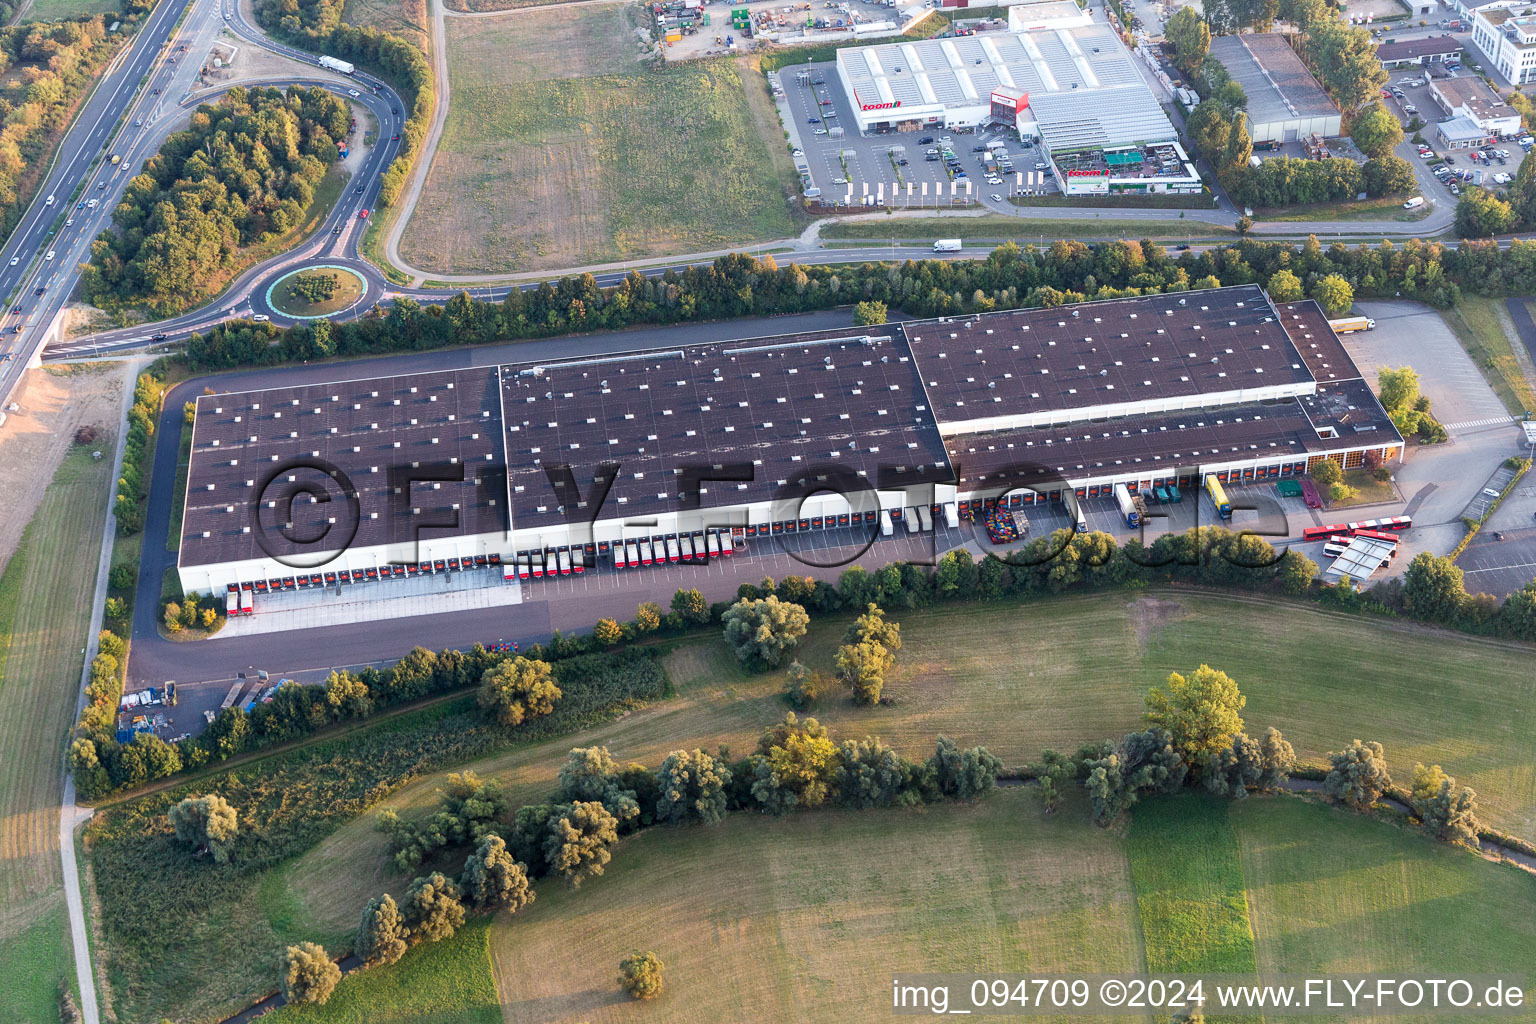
(1444, 811)
(692, 785)
(580, 837)
(493, 880)
(433, 909)
(381, 934)
(309, 974)
(1359, 775)
(761, 632)
(640, 974)
(963, 774)
(206, 823)
(1377, 132)
(518, 690)
(1202, 712)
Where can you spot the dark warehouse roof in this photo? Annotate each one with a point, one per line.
(784, 405)
(362, 428)
(1101, 353)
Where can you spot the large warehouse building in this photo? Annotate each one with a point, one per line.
(599, 462)
(1285, 103)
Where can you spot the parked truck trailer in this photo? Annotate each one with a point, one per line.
(1127, 506)
(1218, 495)
(1350, 324)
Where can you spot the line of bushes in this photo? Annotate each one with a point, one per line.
(102, 766)
(138, 453)
(741, 285)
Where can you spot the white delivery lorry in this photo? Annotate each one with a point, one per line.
(947, 245)
(332, 64)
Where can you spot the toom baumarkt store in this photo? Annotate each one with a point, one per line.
(1067, 83)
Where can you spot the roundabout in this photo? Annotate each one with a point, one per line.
(316, 292)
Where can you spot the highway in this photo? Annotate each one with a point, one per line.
(24, 266)
(150, 96)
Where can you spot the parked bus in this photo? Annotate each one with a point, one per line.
(1218, 496)
(1324, 532)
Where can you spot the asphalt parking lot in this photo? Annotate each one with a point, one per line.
(1490, 565)
(1430, 111)
(873, 160)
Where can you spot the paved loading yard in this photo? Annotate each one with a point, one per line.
(870, 158)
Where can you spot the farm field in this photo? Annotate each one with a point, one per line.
(1058, 673)
(407, 18)
(446, 982)
(54, 10)
(45, 603)
(562, 149)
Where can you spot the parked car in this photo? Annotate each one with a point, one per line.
(813, 120)
(925, 140)
(902, 162)
(996, 198)
(839, 181)
(819, 131)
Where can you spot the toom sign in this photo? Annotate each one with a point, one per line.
(1086, 173)
(880, 106)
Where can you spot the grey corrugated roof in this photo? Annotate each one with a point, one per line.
(1278, 85)
(1100, 117)
(964, 71)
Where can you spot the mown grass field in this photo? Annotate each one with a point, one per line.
(1334, 892)
(1020, 678)
(561, 149)
(446, 982)
(805, 918)
(54, 10)
(45, 603)
(1190, 894)
(408, 18)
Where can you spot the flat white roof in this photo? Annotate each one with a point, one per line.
(1083, 85)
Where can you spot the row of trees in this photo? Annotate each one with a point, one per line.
(45, 67)
(1011, 278)
(1481, 213)
(244, 171)
(1218, 130)
(316, 25)
(1358, 778)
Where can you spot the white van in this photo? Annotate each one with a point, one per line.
(1414, 203)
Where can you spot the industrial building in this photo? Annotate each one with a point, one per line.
(1285, 103)
(1472, 99)
(1434, 50)
(598, 463)
(1066, 83)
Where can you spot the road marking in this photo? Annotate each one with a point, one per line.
(1501, 568)
(1470, 424)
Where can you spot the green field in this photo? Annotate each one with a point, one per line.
(1016, 677)
(991, 227)
(1334, 892)
(562, 149)
(40, 663)
(1056, 674)
(447, 982)
(1190, 894)
(806, 917)
(57, 10)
